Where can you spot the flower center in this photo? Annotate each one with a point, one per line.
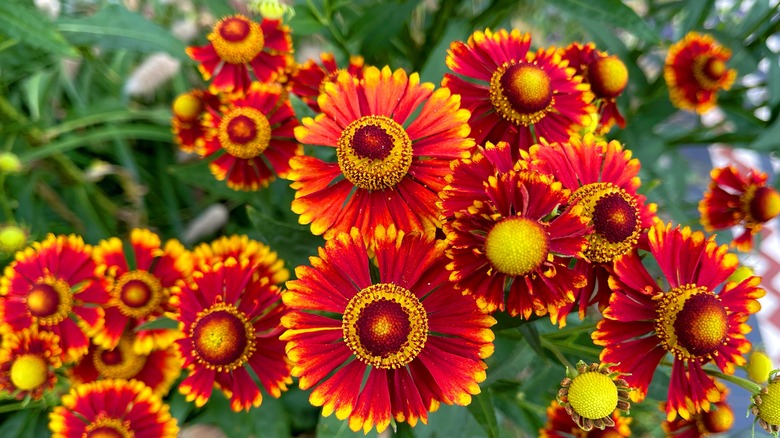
(692, 322)
(385, 326)
(593, 395)
(765, 204)
(28, 372)
(769, 409)
(245, 133)
(50, 301)
(137, 294)
(607, 76)
(718, 420)
(521, 93)
(708, 71)
(237, 40)
(615, 217)
(516, 246)
(121, 362)
(374, 152)
(222, 337)
(104, 427)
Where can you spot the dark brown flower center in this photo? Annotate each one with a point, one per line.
(371, 141)
(222, 337)
(43, 300)
(702, 324)
(383, 327)
(527, 87)
(614, 218)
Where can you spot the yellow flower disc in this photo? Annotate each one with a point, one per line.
(237, 40)
(593, 395)
(245, 133)
(119, 363)
(516, 246)
(521, 93)
(708, 71)
(769, 409)
(759, 366)
(28, 372)
(187, 107)
(222, 337)
(49, 301)
(692, 322)
(137, 294)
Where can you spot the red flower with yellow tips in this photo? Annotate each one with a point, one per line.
(54, 285)
(29, 360)
(239, 45)
(157, 369)
(231, 323)
(112, 408)
(516, 95)
(140, 287)
(308, 80)
(253, 138)
(188, 110)
(698, 316)
(604, 179)
(719, 419)
(560, 425)
(394, 139)
(736, 199)
(607, 76)
(696, 70)
(418, 341)
(517, 237)
(267, 264)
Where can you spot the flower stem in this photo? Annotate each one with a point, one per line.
(739, 381)
(18, 406)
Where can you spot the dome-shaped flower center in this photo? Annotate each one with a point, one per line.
(12, 238)
(222, 337)
(244, 133)
(119, 363)
(28, 372)
(607, 76)
(385, 326)
(105, 427)
(615, 217)
(692, 322)
(718, 420)
(769, 408)
(759, 366)
(374, 152)
(521, 93)
(708, 71)
(765, 204)
(593, 395)
(187, 107)
(49, 301)
(237, 40)
(516, 246)
(138, 294)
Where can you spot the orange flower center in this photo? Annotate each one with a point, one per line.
(374, 152)
(708, 71)
(516, 246)
(49, 301)
(692, 322)
(104, 427)
(245, 133)
(607, 76)
(187, 107)
(28, 372)
(615, 217)
(521, 93)
(718, 420)
(385, 326)
(237, 40)
(138, 294)
(765, 204)
(222, 337)
(119, 363)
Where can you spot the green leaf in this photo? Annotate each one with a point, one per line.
(773, 81)
(484, 412)
(769, 140)
(695, 13)
(332, 427)
(292, 242)
(23, 23)
(531, 335)
(381, 24)
(158, 323)
(116, 28)
(612, 13)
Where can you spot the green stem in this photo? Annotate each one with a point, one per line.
(739, 381)
(8, 212)
(554, 350)
(18, 406)
(326, 20)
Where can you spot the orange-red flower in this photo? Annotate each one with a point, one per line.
(695, 70)
(253, 136)
(516, 95)
(607, 76)
(394, 139)
(239, 45)
(231, 323)
(718, 420)
(29, 360)
(188, 110)
(308, 80)
(517, 237)
(697, 316)
(418, 341)
(604, 179)
(140, 287)
(54, 286)
(735, 199)
(112, 408)
(560, 425)
(267, 263)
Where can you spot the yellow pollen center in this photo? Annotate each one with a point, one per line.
(769, 409)
(374, 152)
(49, 301)
(121, 362)
(105, 427)
(615, 217)
(692, 322)
(765, 204)
(593, 395)
(28, 372)
(222, 337)
(516, 246)
(607, 76)
(237, 40)
(245, 133)
(708, 71)
(138, 294)
(718, 420)
(521, 93)
(385, 326)
(187, 107)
